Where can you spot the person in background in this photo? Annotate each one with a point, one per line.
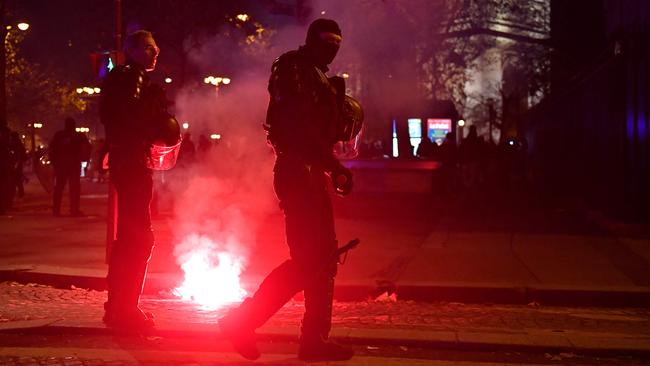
(67, 150)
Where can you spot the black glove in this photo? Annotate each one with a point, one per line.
(342, 180)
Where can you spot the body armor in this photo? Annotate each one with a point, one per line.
(303, 111)
(309, 113)
(134, 112)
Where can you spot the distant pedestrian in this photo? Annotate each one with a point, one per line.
(449, 164)
(67, 150)
(426, 148)
(19, 157)
(99, 154)
(471, 154)
(5, 167)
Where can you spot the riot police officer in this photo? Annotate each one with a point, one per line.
(131, 108)
(303, 111)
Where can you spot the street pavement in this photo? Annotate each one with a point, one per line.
(427, 274)
(383, 322)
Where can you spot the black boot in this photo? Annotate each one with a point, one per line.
(320, 349)
(127, 272)
(240, 323)
(242, 337)
(317, 322)
(131, 319)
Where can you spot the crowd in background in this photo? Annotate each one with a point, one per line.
(475, 165)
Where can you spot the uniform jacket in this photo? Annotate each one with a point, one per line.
(302, 111)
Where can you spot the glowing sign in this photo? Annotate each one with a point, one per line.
(437, 129)
(439, 123)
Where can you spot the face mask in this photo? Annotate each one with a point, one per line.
(325, 52)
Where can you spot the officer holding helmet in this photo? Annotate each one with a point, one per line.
(133, 111)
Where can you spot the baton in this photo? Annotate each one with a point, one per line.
(345, 249)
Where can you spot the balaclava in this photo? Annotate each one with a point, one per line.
(323, 52)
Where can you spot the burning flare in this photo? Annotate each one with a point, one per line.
(211, 275)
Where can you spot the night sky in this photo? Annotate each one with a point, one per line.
(63, 33)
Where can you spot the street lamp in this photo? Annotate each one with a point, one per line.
(23, 26)
(459, 135)
(87, 91)
(216, 81)
(186, 125)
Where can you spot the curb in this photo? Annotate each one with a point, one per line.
(422, 343)
(514, 295)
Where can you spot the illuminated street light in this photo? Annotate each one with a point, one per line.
(168, 80)
(37, 125)
(186, 125)
(23, 26)
(345, 75)
(88, 90)
(215, 136)
(217, 80)
(243, 17)
(461, 123)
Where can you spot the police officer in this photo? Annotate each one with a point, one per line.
(130, 107)
(67, 150)
(302, 113)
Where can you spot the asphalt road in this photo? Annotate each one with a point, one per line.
(78, 350)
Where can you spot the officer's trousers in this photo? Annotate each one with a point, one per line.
(309, 219)
(71, 175)
(132, 249)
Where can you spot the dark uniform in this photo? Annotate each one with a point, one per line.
(301, 117)
(126, 108)
(67, 150)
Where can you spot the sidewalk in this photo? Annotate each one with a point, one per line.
(555, 331)
(457, 255)
(443, 263)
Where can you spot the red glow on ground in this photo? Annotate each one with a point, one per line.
(211, 276)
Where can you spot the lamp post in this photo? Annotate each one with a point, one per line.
(459, 135)
(216, 81)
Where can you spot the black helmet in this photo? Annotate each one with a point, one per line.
(351, 119)
(165, 130)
